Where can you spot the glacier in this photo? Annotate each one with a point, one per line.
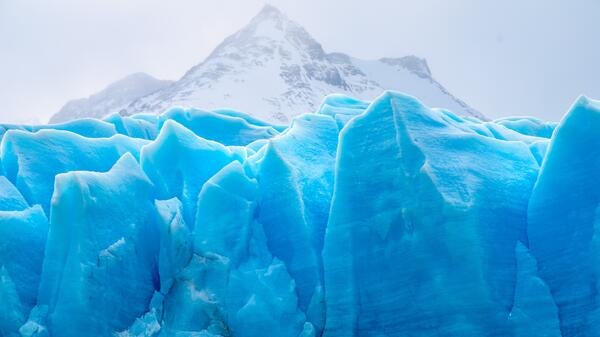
(382, 218)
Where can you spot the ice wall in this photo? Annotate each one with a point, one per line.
(386, 218)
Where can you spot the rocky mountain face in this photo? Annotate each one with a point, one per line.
(274, 69)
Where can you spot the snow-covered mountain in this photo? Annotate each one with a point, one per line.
(274, 69)
(112, 99)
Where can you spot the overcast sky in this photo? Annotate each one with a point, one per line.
(512, 57)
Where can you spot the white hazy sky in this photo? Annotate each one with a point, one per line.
(512, 57)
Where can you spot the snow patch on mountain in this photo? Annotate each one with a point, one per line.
(275, 70)
(112, 99)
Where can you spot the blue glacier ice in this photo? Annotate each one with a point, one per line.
(564, 220)
(383, 218)
(423, 226)
(95, 258)
(223, 127)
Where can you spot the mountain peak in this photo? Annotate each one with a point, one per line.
(273, 24)
(268, 32)
(112, 98)
(270, 11)
(274, 69)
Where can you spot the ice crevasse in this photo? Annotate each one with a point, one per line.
(386, 218)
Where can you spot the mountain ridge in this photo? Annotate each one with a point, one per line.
(273, 69)
(112, 98)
